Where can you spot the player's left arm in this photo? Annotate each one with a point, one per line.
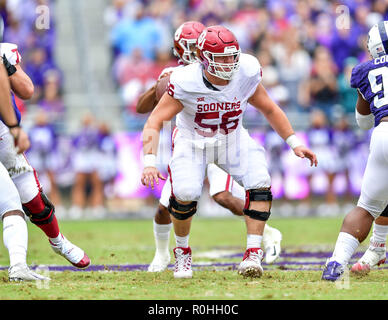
(280, 123)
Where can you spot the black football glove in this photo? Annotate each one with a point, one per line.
(11, 69)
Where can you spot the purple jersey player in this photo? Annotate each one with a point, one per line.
(371, 81)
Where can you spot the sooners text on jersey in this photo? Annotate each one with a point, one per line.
(213, 110)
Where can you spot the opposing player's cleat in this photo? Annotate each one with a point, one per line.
(333, 271)
(21, 272)
(271, 241)
(182, 263)
(160, 262)
(372, 257)
(251, 264)
(76, 256)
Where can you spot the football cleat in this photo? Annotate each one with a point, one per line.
(21, 272)
(372, 257)
(333, 271)
(251, 264)
(271, 241)
(182, 263)
(160, 262)
(76, 256)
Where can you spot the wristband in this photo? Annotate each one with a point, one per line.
(16, 137)
(11, 69)
(365, 122)
(13, 126)
(293, 141)
(149, 160)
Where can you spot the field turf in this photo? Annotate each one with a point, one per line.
(121, 249)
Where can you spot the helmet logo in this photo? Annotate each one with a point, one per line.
(201, 40)
(231, 49)
(178, 33)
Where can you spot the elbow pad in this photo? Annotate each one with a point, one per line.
(365, 122)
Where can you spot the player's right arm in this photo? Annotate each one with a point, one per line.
(166, 109)
(8, 115)
(149, 99)
(360, 80)
(364, 118)
(21, 83)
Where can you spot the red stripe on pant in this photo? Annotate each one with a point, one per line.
(246, 200)
(174, 132)
(169, 173)
(227, 183)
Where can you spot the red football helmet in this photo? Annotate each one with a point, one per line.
(219, 52)
(185, 40)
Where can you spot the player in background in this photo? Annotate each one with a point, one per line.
(226, 192)
(344, 139)
(370, 79)
(319, 137)
(35, 203)
(15, 232)
(209, 99)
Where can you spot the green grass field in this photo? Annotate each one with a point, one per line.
(130, 242)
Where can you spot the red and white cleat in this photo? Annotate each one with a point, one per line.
(76, 256)
(251, 264)
(182, 263)
(372, 258)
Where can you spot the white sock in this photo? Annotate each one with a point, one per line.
(254, 241)
(345, 246)
(162, 236)
(182, 242)
(58, 239)
(380, 233)
(15, 238)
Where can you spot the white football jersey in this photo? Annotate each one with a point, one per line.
(11, 52)
(169, 69)
(208, 112)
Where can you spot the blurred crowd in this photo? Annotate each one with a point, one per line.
(31, 25)
(307, 48)
(81, 165)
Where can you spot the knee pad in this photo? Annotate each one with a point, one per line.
(182, 211)
(257, 215)
(257, 195)
(40, 210)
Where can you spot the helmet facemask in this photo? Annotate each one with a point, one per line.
(189, 51)
(223, 70)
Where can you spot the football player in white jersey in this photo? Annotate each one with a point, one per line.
(35, 203)
(209, 98)
(223, 189)
(15, 233)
